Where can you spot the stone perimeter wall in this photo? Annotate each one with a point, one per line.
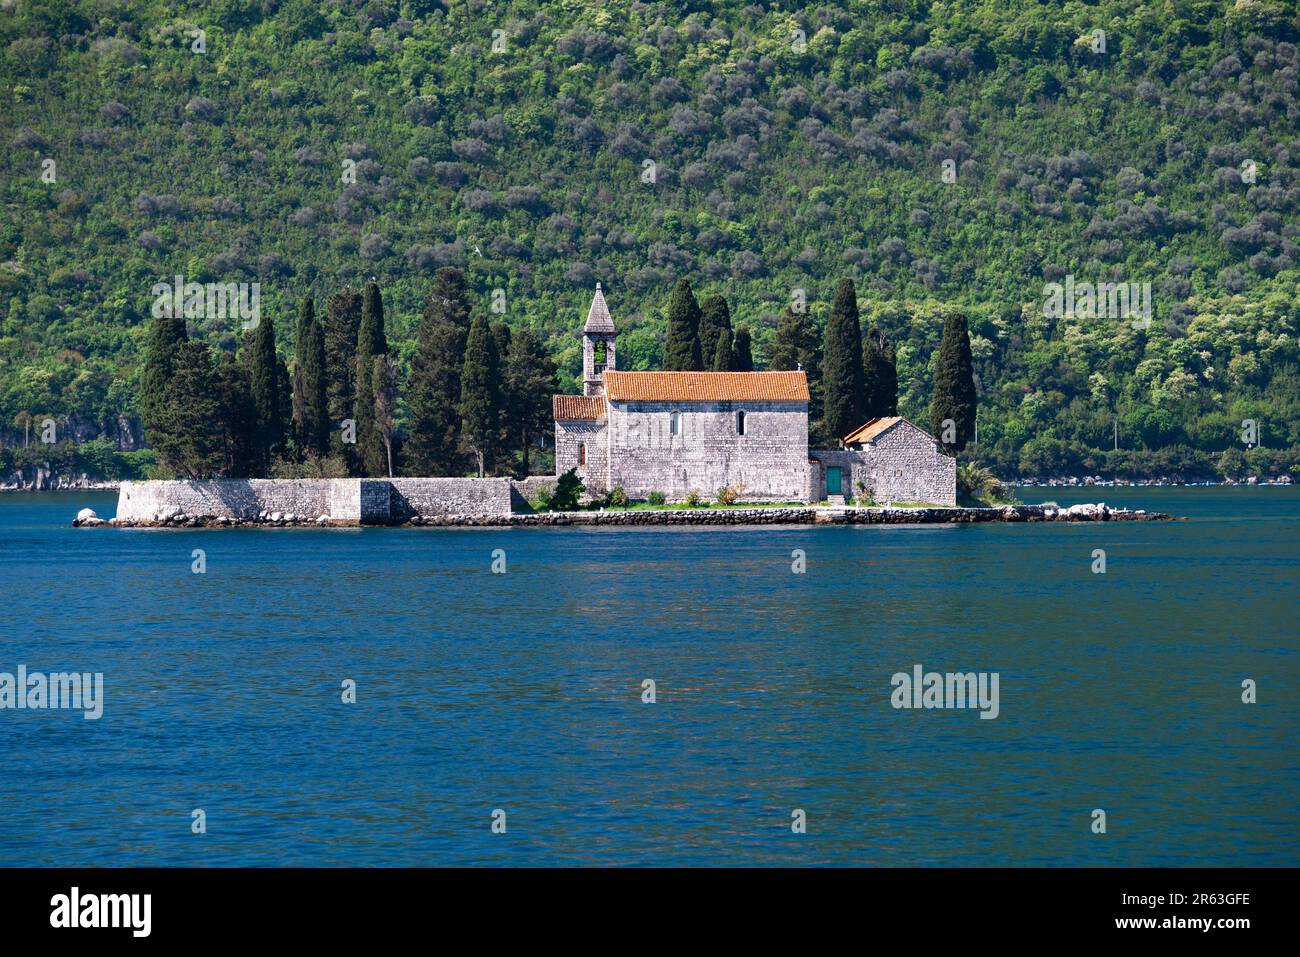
(339, 501)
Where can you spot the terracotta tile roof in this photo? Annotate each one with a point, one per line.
(706, 386)
(871, 428)
(598, 319)
(577, 408)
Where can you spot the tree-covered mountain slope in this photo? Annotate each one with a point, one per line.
(954, 156)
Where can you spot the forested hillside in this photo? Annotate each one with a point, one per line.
(946, 157)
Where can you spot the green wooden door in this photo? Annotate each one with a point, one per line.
(833, 480)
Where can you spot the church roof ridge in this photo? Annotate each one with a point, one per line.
(784, 386)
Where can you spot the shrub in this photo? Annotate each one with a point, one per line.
(616, 498)
(729, 494)
(567, 491)
(655, 498)
(693, 498)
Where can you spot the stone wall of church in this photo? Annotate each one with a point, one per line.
(770, 461)
(569, 437)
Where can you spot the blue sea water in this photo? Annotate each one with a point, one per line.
(523, 692)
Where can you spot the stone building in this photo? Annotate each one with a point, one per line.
(885, 460)
(679, 432)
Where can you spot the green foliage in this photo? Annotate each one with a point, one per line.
(372, 342)
(656, 498)
(433, 388)
(954, 386)
(187, 436)
(529, 385)
(269, 399)
(480, 401)
(742, 357)
(693, 499)
(715, 322)
(880, 375)
(682, 350)
(311, 413)
(842, 385)
(778, 170)
(568, 489)
(617, 498)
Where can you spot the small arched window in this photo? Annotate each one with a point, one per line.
(740, 423)
(582, 453)
(675, 423)
(599, 351)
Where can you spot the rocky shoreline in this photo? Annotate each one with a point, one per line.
(794, 515)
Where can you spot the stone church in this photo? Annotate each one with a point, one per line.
(678, 432)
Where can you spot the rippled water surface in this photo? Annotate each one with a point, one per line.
(523, 691)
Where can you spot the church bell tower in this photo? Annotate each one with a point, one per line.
(597, 346)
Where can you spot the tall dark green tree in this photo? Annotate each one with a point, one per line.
(371, 342)
(742, 352)
(682, 350)
(880, 375)
(433, 389)
(715, 316)
(480, 397)
(166, 334)
(310, 410)
(842, 386)
(722, 357)
(797, 345)
(342, 323)
(952, 406)
(270, 400)
(529, 385)
(230, 387)
(188, 438)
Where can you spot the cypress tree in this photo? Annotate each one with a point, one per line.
(234, 397)
(530, 383)
(166, 334)
(433, 390)
(954, 386)
(310, 415)
(311, 367)
(722, 358)
(886, 376)
(682, 350)
(872, 396)
(742, 355)
(797, 346)
(371, 342)
(842, 365)
(714, 318)
(342, 323)
(188, 436)
(267, 380)
(480, 396)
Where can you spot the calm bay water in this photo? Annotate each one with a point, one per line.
(523, 692)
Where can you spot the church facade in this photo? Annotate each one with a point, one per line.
(682, 432)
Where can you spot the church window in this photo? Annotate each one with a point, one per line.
(582, 453)
(675, 423)
(740, 423)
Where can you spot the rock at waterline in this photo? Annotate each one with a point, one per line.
(87, 516)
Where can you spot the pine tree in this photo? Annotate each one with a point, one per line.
(742, 355)
(310, 415)
(433, 390)
(166, 334)
(722, 358)
(714, 318)
(842, 386)
(530, 383)
(342, 323)
(188, 436)
(954, 387)
(682, 350)
(267, 380)
(480, 401)
(371, 342)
